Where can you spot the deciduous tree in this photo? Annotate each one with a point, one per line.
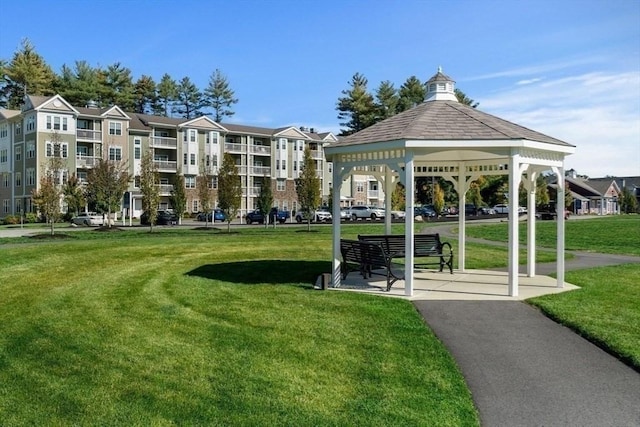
(74, 194)
(308, 188)
(149, 180)
(205, 194)
(178, 196)
(265, 198)
(48, 196)
(229, 189)
(106, 184)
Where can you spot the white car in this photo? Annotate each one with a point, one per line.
(398, 214)
(364, 212)
(89, 219)
(320, 215)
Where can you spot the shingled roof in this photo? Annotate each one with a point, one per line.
(445, 120)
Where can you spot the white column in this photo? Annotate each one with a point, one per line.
(388, 189)
(462, 232)
(514, 184)
(408, 231)
(531, 224)
(560, 224)
(335, 259)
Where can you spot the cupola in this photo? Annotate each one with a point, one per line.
(440, 87)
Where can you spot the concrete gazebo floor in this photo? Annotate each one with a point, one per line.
(468, 285)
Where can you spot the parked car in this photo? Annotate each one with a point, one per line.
(398, 214)
(364, 212)
(504, 209)
(88, 219)
(548, 212)
(254, 216)
(486, 211)
(320, 215)
(344, 214)
(470, 209)
(217, 215)
(424, 211)
(164, 217)
(281, 216)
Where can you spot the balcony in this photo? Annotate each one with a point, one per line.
(263, 150)
(86, 162)
(260, 170)
(242, 170)
(235, 148)
(373, 194)
(250, 191)
(319, 173)
(163, 142)
(91, 135)
(166, 166)
(165, 189)
(316, 154)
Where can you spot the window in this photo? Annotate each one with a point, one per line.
(64, 123)
(31, 150)
(82, 177)
(277, 164)
(295, 165)
(4, 155)
(359, 187)
(137, 149)
(5, 206)
(330, 167)
(214, 182)
(193, 159)
(115, 128)
(4, 131)
(280, 185)
(284, 165)
(18, 179)
(136, 181)
(5, 180)
(31, 176)
(18, 128)
(49, 146)
(190, 181)
(64, 150)
(31, 124)
(184, 159)
(18, 154)
(207, 160)
(56, 123)
(194, 208)
(115, 153)
(192, 135)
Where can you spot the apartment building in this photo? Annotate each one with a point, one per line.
(179, 146)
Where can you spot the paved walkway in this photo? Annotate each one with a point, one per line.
(523, 369)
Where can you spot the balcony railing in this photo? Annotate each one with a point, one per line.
(373, 194)
(260, 150)
(163, 142)
(165, 188)
(235, 148)
(164, 165)
(316, 154)
(242, 170)
(93, 135)
(251, 191)
(85, 161)
(260, 170)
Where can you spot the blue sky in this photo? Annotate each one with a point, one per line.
(570, 69)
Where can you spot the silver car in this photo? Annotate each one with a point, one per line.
(364, 212)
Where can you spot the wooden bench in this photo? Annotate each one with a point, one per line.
(368, 258)
(424, 246)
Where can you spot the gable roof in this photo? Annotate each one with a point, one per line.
(443, 121)
(7, 114)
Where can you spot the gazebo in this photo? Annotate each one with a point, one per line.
(444, 138)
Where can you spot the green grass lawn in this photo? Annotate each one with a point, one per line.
(208, 328)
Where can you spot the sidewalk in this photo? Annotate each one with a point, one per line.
(523, 369)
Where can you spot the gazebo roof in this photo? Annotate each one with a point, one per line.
(445, 120)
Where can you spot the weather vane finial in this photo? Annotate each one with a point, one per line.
(439, 68)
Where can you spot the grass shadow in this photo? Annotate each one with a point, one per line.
(274, 272)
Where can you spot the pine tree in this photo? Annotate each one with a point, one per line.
(356, 107)
(26, 74)
(229, 189)
(464, 99)
(412, 93)
(117, 87)
(188, 101)
(308, 187)
(219, 96)
(387, 99)
(167, 94)
(145, 95)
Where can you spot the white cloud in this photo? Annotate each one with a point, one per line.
(599, 113)
(537, 69)
(529, 81)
